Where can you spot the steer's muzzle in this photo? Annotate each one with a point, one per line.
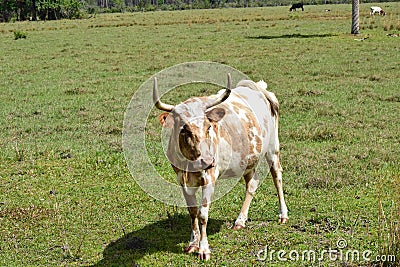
(201, 164)
(207, 163)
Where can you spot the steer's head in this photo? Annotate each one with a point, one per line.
(194, 129)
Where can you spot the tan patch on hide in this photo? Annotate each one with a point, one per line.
(206, 125)
(235, 108)
(234, 138)
(205, 202)
(252, 121)
(252, 161)
(213, 178)
(189, 142)
(258, 144)
(252, 132)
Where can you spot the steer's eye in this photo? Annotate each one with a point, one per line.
(185, 129)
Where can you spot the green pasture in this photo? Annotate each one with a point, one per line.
(67, 197)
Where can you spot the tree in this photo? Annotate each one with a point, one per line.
(355, 17)
(7, 7)
(33, 10)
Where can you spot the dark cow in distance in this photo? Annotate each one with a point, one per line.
(222, 136)
(297, 5)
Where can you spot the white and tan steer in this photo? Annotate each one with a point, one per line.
(221, 136)
(378, 10)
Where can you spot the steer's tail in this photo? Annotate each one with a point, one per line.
(262, 87)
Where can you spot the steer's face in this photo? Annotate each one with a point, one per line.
(193, 137)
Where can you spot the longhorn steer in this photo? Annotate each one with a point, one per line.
(220, 136)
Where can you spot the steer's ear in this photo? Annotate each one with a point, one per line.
(166, 120)
(216, 114)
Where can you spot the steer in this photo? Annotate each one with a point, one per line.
(297, 5)
(221, 136)
(377, 9)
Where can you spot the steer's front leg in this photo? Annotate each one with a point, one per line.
(207, 194)
(190, 197)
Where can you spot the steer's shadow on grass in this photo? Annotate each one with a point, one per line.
(295, 35)
(165, 235)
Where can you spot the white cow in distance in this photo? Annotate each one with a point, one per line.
(377, 9)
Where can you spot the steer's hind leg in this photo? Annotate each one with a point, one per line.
(252, 183)
(276, 171)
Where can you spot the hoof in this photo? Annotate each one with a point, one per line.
(204, 256)
(190, 249)
(238, 227)
(283, 220)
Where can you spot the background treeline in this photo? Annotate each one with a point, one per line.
(71, 9)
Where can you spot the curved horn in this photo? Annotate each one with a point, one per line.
(224, 96)
(157, 102)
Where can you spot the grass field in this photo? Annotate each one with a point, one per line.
(67, 197)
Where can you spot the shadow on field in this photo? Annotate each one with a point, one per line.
(164, 235)
(295, 35)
